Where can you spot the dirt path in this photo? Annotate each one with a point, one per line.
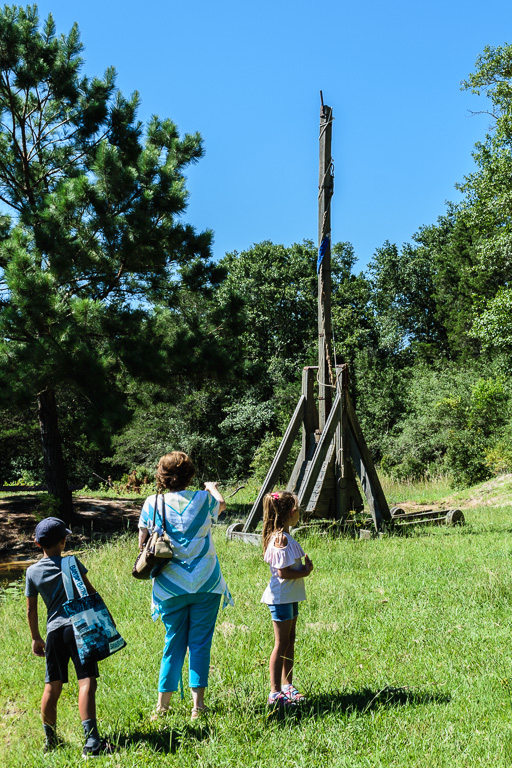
(94, 519)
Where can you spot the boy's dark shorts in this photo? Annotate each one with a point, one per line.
(60, 648)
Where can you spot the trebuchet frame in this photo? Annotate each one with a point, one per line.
(333, 449)
(324, 475)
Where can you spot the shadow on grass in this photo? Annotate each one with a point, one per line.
(166, 740)
(361, 701)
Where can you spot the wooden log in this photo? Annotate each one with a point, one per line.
(249, 538)
(276, 468)
(422, 514)
(424, 521)
(232, 528)
(430, 517)
(454, 517)
(450, 516)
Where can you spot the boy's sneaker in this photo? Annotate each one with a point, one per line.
(51, 744)
(98, 749)
(52, 741)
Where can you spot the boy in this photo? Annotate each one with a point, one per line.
(45, 578)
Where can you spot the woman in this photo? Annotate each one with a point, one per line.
(187, 591)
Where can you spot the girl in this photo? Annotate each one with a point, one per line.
(284, 591)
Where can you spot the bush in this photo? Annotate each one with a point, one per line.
(465, 459)
(499, 458)
(455, 422)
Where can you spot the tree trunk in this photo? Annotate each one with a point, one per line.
(51, 441)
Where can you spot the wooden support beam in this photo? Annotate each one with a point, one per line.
(322, 502)
(309, 429)
(342, 462)
(322, 449)
(365, 468)
(277, 466)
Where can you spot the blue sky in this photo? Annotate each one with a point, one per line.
(247, 76)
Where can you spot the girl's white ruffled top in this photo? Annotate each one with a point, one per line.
(281, 591)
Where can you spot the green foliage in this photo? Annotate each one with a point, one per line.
(94, 243)
(493, 326)
(487, 204)
(265, 454)
(499, 457)
(455, 419)
(49, 506)
(404, 299)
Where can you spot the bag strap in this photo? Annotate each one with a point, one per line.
(162, 513)
(154, 510)
(70, 574)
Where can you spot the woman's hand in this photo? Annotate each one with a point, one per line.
(217, 495)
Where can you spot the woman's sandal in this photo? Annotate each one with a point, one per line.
(198, 712)
(158, 713)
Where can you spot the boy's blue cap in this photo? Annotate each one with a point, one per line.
(51, 530)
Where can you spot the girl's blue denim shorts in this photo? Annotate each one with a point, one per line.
(284, 611)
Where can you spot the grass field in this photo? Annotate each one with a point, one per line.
(403, 649)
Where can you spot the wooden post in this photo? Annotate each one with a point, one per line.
(322, 449)
(342, 450)
(365, 469)
(309, 429)
(276, 468)
(325, 191)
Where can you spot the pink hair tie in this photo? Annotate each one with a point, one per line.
(275, 495)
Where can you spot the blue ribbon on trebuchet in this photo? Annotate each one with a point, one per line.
(321, 252)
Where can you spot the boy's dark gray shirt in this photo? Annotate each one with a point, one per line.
(45, 578)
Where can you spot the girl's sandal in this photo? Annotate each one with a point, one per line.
(158, 713)
(294, 695)
(198, 712)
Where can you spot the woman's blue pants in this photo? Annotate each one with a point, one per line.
(189, 623)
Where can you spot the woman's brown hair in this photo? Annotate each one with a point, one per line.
(277, 510)
(174, 472)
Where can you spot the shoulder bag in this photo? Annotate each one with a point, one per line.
(156, 551)
(93, 626)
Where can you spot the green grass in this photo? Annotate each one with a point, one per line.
(421, 491)
(403, 648)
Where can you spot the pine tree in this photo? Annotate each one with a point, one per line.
(92, 243)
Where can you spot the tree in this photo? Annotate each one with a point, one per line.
(92, 256)
(278, 288)
(488, 199)
(404, 298)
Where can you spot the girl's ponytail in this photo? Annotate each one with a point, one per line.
(277, 510)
